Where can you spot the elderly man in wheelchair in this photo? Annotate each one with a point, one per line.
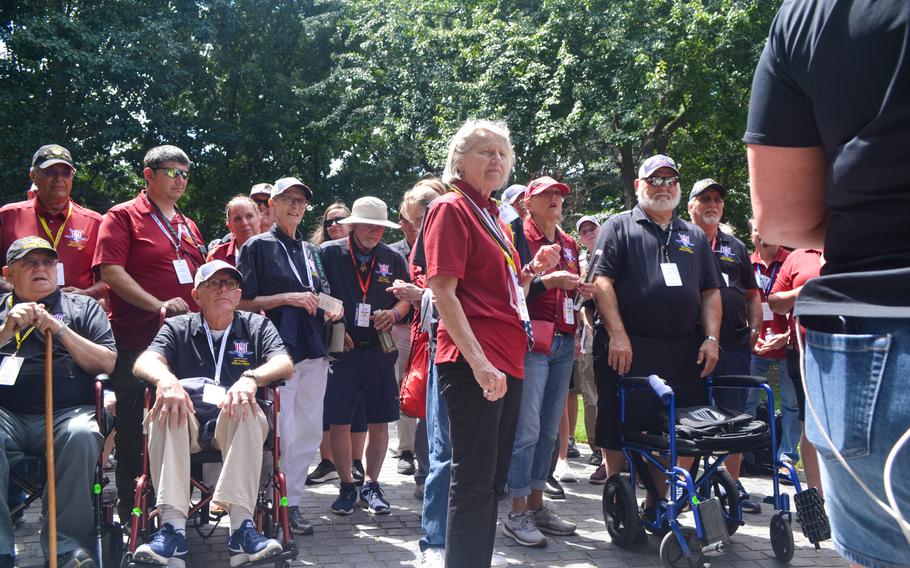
(83, 346)
(206, 368)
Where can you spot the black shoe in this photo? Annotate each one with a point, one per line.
(573, 450)
(553, 489)
(749, 505)
(78, 558)
(325, 471)
(406, 463)
(357, 472)
(297, 523)
(596, 458)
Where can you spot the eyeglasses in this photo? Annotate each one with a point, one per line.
(174, 172)
(33, 263)
(329, 222)
(660, 181)
(218, 283)
(262, 202)
(708, 199)
(65, 173)
(293, 201)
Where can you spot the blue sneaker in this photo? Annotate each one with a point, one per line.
(347, 497)
(247, 545)
(166, 544)
(371, 495)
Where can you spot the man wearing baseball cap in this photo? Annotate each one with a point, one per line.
(83, 346)
(360, 270)
(70, 228)
(260, 194)
(512, 210)
(283, 276)
(206, 368)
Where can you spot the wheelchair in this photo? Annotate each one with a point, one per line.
(271, 512)
(108, 548)
(712, 496)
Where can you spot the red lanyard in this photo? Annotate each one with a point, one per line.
(363, 286)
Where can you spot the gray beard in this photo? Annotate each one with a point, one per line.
(659, 205)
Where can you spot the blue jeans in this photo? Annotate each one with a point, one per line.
(791, 428)
(543, 399)
(857, 384)
(436, 486)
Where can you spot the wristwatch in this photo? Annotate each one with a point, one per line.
(711, 338)
(250, 375)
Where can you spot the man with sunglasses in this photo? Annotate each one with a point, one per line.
(206, 368)
(70, 228)
(261, 193)
(148, 252)
(283, 275)
(83, 346)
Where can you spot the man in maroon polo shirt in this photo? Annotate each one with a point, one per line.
(52, 215)
(147, 253)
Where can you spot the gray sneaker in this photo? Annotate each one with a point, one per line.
(549, 522)
(521, 528)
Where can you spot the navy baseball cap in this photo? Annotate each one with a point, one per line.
(654, 163)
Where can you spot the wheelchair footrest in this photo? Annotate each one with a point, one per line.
(713, 524)
(810, 514)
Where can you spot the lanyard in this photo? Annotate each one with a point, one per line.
(363, 286)
(775, 267)
(55, 240)
(309, 275)
(169, 232)
(224, 340)
(663, 247)
(20, 339)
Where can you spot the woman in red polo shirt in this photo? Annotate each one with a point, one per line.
(243, 221)
(476, 278)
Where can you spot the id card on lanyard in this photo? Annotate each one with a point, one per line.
(362, 309)
(55, 240)
(669, 269)
(181, 266)
(214, 394)
(12, 364)
(309, 267)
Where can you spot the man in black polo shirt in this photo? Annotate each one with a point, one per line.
(656, 282)
(741, 300)
(360, 269)
(282, 275)
(201, 364)
(83, 347)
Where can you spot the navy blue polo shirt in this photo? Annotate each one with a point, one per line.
(383, 266)
(632, 247)
(182, 341)
(72, 385)
(733, 261)
(263, 262)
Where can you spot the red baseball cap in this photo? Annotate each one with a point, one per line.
(544, 183)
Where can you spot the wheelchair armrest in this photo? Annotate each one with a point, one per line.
(746, 381)
(658, 386)
(103, 378)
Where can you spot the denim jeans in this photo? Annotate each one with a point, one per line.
(791, 429)
(543, 398)
(857, 384)
(436, 485)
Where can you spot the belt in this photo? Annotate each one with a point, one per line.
(366, 344)
(564, 333)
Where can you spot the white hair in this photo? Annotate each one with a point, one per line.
(465, 138)
(654, 204)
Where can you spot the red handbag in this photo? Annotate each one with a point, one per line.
(414, 384)
(543, 335)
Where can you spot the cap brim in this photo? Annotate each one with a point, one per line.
(53, 161)
(364, 221)
(25, 252)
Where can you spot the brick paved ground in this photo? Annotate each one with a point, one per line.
(361, 540)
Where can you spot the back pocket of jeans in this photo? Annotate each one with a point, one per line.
(843, 373)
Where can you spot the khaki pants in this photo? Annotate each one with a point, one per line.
(584, 383)
(240, 442)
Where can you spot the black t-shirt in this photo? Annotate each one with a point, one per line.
(383, 267)
(72, 385)
(836, 73)
(632, 248)
(182, 341)
(736, 271)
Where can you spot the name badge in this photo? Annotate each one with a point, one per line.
(522, 304)
(9, 370)
(184, 276)
(568, 311)
(671, 274)
(330, 305)
(766, 313)
(213, 394)
(61, 279)
(726, 279)
(507, 213)
(362, 318)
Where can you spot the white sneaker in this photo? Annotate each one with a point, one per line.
(433, 558)
(564, 472)
(499, 559)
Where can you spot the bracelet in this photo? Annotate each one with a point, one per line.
(250, 375)
(711, 338)
(397, 316)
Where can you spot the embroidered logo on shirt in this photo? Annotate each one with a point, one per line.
(384, 271)
(727, 254)
(241, 353)
(685, 243)
(76, 238)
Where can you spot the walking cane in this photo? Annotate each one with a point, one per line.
(49, 448)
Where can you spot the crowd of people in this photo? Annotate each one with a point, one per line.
(492, 308)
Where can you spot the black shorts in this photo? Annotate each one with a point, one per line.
(671, 359)
(363, 374)
(795, 375)
(358, 423)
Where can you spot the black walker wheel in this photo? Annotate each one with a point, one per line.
(671, 553)
(782, 537)
(621, 511)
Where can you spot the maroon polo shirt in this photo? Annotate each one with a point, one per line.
(778, 323)
(549, 305)
(456, 244)
(225, 251)
(799, 267)
(76, 246)
(130, 237)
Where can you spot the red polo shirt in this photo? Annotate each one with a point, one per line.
(799, 267)
(76, 246)
(549, 305)
(766, 276)
(130, 237)
(456, 244)
(224, 251)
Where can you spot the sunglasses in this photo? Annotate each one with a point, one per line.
(173, 172)
(330, 222)
(660, 181)
(33, 263)
(217, 284)
(262, 202)
(61, 173)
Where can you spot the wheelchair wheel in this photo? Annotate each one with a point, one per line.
(112, 546)
(727, 492)
(621, 511)
(782, 537)
(671, 554)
